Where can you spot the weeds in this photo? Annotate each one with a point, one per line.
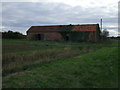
(16, 62)
(34, 52)
(97, 69)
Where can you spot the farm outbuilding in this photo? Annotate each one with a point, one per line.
(89, 32)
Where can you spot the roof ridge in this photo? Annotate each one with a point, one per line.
(63, 25)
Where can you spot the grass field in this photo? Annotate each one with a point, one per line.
(45, 64)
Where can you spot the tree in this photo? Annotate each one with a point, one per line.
(105, 34)
(12, 35)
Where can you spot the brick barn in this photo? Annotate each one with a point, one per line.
(88, 32)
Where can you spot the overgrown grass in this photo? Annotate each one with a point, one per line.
(96, 69)
(15, 62)
(18, 62)
(21, 55)
(25, 46)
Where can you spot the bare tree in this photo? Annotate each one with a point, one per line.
(105, 34)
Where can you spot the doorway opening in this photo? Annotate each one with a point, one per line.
(67, 37)
(40, 36)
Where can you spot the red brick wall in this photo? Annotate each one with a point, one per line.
(52, 36)
(92, 36)
(48, 35)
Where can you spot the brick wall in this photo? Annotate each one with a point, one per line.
(47, 36)
(52, 36)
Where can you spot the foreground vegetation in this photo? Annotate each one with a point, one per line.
(20, 54)
(59, 64)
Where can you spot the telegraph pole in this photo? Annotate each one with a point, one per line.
(101, 24)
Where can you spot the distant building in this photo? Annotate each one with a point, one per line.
(89, 32)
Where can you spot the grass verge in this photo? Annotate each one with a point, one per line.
(97, 69)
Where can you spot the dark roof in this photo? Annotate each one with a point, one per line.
(54, 28)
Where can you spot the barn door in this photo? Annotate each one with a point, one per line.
(67, 37)
(40, 36)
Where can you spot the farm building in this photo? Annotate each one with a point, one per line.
(89, 32)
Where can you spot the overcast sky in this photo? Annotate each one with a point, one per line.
(21, 15)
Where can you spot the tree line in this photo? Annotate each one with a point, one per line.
(13, 35)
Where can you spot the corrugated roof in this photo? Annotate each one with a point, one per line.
(52, 28)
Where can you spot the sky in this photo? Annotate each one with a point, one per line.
(21, 15)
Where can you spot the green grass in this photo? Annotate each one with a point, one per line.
(25, 46)
(92, 70)
(19, 54)
(59, 64)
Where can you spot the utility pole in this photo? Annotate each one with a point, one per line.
(101, 24)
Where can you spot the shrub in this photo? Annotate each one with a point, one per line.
(12, 35)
